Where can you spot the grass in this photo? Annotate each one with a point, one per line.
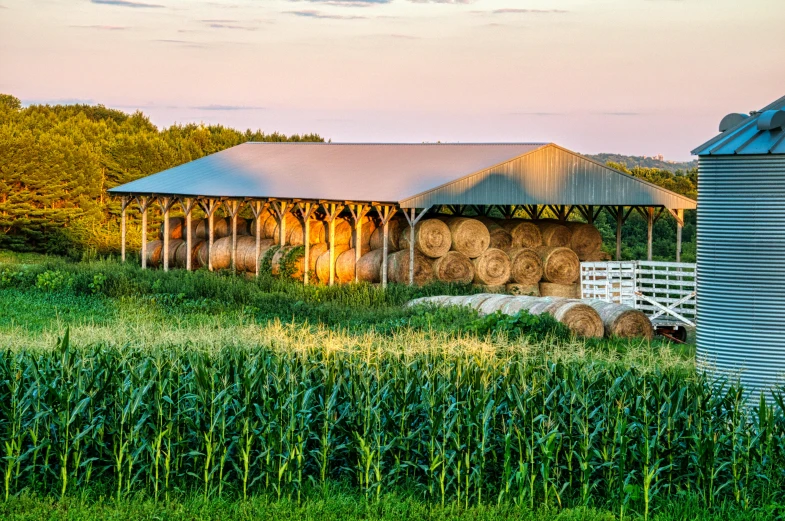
(420, 413)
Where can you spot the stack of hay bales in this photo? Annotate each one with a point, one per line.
(592, 319)
(516, 256)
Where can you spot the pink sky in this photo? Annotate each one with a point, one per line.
(638, 77)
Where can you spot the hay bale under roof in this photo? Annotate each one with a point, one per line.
(559, 265)
(525, 266)
(492, 268)
(454, 267)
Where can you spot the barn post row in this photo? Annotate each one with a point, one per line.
(324, 180)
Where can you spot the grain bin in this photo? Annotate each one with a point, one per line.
(741, 249)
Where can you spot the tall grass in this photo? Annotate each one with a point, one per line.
(493, 423)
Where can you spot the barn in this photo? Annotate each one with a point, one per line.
(316, 184)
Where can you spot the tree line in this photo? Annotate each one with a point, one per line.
(58, 161)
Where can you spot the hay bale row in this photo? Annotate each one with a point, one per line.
(582, 319)
(622, 321)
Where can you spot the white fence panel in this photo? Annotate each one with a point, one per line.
(672, 285)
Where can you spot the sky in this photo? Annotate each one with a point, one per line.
(638, 77)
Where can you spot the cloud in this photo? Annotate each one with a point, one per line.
(539, 114)
(126, 3)
(184, 43)
(511, 10)
(442, 1)
(227, 107)
(58, 101)
(101, 27)
(346, 3)
(310, 13)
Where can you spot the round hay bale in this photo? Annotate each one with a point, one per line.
(246, 252)
(525, 234)
(559, 265)
(492, 268)
(468, 236)
(531, 290)
(525, 266)
(343, 231)
(200, 228)
(267, 214)
(585, 240)
(500, 238)
(201, 255)
(275, 263)
(517, 304)
(291, 223)
(493, 304)
(432, 238)
(196, 246)
(580, 318)
(455, 267)
(154, 249)
(550, 289)
(221, 228)
(221, 253)
(344, 265)
(314, 252)
(317, 231)
(367, 229)
(176, 228)
(369, 269)
(323, 263)
(174, 244)
(554, 234)
(622, 321)
(268, 226)
(394, 228)
(243, 226)
(398, 268)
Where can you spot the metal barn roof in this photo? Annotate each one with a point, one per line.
(550, 175)
(325, 171)
(753, 135)
(413, 175)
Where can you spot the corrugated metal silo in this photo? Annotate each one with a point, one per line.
(741, 249)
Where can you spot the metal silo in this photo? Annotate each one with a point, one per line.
(741, 249)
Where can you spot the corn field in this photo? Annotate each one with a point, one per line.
(464, 428)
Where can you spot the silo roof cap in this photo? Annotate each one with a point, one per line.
(763, 132)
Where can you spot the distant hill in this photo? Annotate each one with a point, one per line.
(645, 162)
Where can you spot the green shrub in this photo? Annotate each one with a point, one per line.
(51, 281)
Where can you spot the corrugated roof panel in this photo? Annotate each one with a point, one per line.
(550, 175)
(746, 139)
(329, 171)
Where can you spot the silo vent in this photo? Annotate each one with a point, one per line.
(771, 120)
(731, 120)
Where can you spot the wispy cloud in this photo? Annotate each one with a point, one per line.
(184, 43)
(611, 113)
(512, 10)
(227, 107)
(310, 13)
(102, 27)
(346, 3)
(127, 3)
(442, 1)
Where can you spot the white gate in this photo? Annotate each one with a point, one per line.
(659, 289)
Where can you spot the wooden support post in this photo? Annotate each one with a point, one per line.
(144, 203)
(332, 210)
(210, 205)
(679, 227)
(187, 204)
(590, 214)
(649, 232)
(280, 209)
(125, 201)
(165, 204)
(233, 208)
(385, 214)
(619, 223)
(306, 212)
(258, 208)
(413, 219)
(359, 211)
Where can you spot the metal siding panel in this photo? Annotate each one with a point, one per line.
(741, 268)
